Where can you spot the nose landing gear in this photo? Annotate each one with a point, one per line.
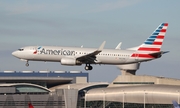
(27, 64)
(88, 67)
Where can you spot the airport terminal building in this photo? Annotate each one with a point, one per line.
(72, 89)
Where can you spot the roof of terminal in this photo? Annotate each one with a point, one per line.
(80, 86)
(41, 71)
(27, 85)
(155, 93)
(49, 78)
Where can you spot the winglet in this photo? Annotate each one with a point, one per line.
(102, 46)
(118, 46)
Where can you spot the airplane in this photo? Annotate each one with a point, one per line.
(30, 105)
(149, 50)
(175, 104)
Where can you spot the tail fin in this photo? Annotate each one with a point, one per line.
(30, 105)
(154, 42)
(175, 104)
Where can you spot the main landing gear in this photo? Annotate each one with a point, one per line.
(88, 67)
(27, 64)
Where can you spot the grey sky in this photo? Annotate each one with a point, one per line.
(89, 23)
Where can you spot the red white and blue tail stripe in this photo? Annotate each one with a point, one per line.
(154, 42)
(151, 48)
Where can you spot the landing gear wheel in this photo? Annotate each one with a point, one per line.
(27, 64)
(88, 67)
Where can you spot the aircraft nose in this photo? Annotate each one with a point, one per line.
(15, 53)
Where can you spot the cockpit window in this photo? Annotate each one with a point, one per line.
(20, 49)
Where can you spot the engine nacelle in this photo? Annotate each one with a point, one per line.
(70, 61)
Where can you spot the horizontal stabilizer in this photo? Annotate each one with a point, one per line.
(158, 54)
(164, 52)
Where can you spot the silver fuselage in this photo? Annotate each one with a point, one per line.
(55, 54)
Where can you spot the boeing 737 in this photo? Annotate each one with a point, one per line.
(71, 56)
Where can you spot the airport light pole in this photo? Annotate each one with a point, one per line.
(85, 98)
(144, 99)
(178, 96)
(123, 98)
(104, 98)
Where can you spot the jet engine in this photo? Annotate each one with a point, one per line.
(70, 61)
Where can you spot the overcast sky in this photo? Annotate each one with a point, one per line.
(89, 23)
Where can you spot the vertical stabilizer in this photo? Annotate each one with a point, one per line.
(154, 42)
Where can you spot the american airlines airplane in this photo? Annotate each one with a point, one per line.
(71, 56)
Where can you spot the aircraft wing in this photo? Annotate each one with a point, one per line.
(91, 57)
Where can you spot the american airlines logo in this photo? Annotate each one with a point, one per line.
(35, 52)
(54, 52)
